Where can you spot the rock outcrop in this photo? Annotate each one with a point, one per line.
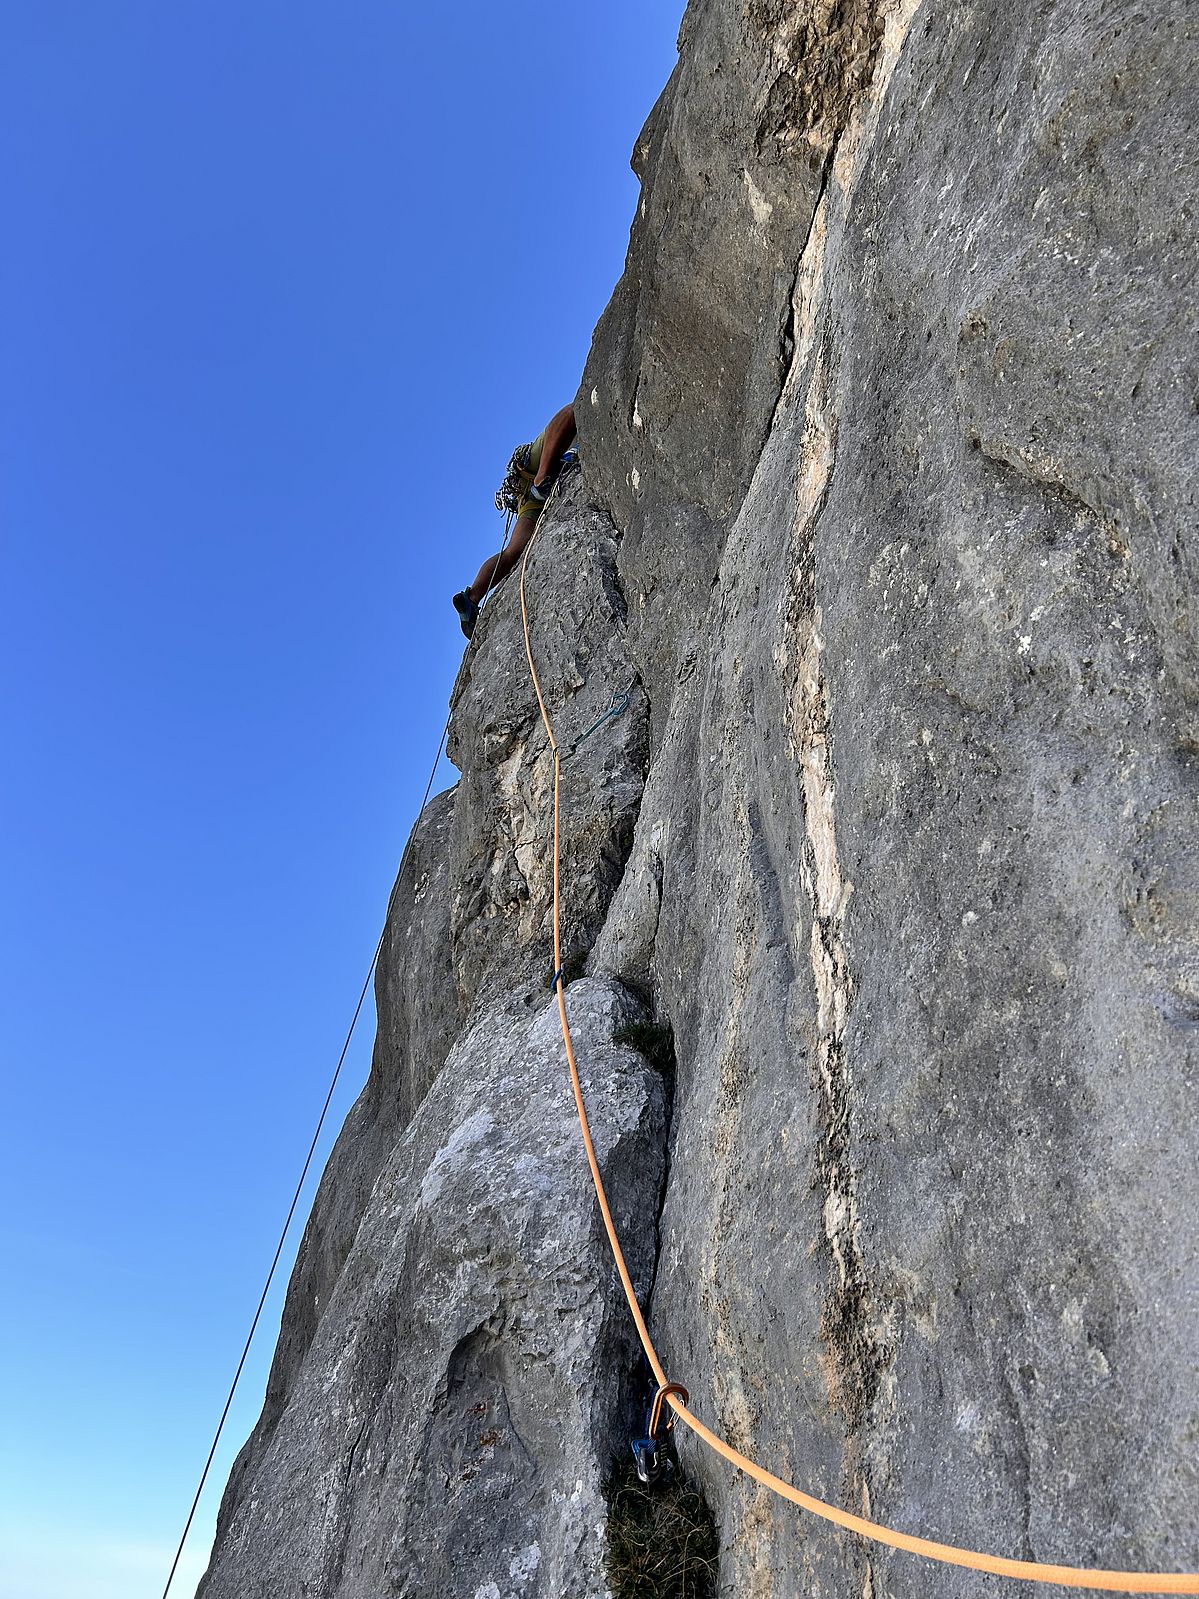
(886, 526)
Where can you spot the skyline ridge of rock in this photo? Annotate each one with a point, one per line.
(886, 524)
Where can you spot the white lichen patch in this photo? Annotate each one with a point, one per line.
(822, 833)
(453, 1155)
(523, 1567)
(758, 203)
(857, 139)
(824, 977)
(968, 1418)
(837, 1220)
(525, 791)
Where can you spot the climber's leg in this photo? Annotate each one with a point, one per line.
(556, 438)
(496, 568)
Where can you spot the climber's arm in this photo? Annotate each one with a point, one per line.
(559, 436)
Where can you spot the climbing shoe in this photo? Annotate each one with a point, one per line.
(468, 611)
(541, 491)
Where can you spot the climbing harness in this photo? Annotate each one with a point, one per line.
(511, 493)
(671, 1394)
(516, 489)
(652, 1464)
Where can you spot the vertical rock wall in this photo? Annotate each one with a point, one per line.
(921, 819)
(887, 526)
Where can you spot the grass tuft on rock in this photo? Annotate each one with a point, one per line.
(661, 1541)
(654, 1040)
(574, 965)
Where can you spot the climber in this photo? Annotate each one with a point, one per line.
(525, 489)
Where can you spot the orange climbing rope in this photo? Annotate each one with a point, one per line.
(949, 1554)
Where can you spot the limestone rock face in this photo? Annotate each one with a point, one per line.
(501, 884)
(449, 1427)
(887, 527)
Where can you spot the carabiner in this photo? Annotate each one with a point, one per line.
(652, 1464)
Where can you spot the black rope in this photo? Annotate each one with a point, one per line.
(324, 1112)
(307, 1163)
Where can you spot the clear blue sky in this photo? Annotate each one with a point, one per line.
(281, 287)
